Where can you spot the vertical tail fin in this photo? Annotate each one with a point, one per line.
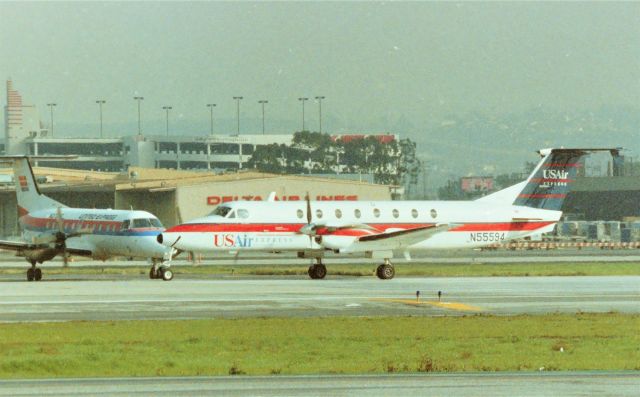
(27, 192)
(550, 182)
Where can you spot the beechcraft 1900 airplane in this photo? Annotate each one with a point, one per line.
(50, 228)
(378, 228)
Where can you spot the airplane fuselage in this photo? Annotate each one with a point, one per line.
(278, 226)
(102, 234)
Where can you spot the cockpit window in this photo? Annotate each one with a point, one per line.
(156, 222)
(142, 222)
(221, 211)
(125, 225)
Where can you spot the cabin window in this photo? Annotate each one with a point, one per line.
(300, 213)
(221, 211)
(243, 213)
(414, 213)
(376, 213)
(319, 214)
(338, 214)
(434, 213)
(141, 223)
(395, 213)
(357, 213)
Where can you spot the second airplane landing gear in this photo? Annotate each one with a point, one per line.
(318, 270)
(34, 273)
(385, 271)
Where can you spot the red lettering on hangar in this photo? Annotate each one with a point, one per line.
(216, 200)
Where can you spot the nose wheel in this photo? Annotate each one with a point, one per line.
(163, 272)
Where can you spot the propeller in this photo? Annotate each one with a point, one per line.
(61, 237)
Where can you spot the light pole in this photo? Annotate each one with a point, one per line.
(101, 102)
(262, 102)
(139, 99)
(320, 98)
(303, 100)
(167, 108)
(238, 99)
(51, 106)
(211, 106)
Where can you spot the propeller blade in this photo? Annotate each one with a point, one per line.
(309, 215)
(59, 220)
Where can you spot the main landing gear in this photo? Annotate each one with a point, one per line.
(386, 270)
(160, 272)
(34, 273)
(317, 271)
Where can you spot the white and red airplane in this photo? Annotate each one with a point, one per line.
(378, 228)
(50, 228)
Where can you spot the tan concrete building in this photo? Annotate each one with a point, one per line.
(176, 196)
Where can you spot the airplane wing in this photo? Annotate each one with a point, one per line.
(395, 240)
(21, 246)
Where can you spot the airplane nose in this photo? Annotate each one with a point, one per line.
(159, 238)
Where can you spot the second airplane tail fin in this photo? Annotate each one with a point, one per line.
(27, 193)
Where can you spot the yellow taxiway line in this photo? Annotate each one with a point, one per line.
(445, 305)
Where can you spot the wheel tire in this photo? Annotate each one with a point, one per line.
(379, 271)
(386, 272)
(30, 274)
(37, 274)
(319, 271)
(166, 274)
(311, 272)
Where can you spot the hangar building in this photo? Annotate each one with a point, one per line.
(175, 196)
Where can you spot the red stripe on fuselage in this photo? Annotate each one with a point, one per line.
(378, 228)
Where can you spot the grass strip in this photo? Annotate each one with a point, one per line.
(334, 345)
(368, 269)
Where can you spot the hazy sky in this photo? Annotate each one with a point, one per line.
(417, 61)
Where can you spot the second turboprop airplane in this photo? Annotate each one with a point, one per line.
(50, 228)
(378, 228)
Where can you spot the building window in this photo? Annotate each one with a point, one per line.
(357, 213)
(395, 213)
(338, 214)
(376, 213)
(414, 213)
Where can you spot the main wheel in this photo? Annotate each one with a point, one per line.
(37, 274)
(166, 274)
(319, 271)
(30, 274)
(311, 272)
(385, 272)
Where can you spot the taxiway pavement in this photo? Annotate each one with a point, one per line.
(232, 297)
(473, 384)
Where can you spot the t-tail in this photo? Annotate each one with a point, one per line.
(27, 193)
(552, 179)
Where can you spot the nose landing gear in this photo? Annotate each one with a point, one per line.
(160, 272)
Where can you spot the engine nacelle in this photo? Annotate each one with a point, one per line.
(41, 255)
